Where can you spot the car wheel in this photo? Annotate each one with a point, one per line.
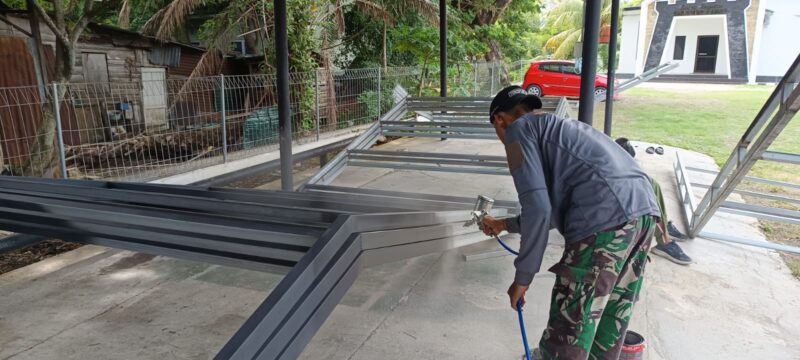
(600, 93)
(534, 90)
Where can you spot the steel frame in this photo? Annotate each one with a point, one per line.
(451, 117)
(647, 75)
(321, 255)
(777, 112)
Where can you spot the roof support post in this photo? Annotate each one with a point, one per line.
(284, 118)
(612, 64)
(443, 50)
(591, 36)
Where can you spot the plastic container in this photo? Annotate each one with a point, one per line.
(633, 348)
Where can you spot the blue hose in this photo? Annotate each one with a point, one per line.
(519, 306)
(505, 246)
(522, 329)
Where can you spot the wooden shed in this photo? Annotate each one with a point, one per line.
(123, 82)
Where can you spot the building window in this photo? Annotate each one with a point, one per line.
(680, 44)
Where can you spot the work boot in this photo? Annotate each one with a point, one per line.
(672, 252)
(675, 234)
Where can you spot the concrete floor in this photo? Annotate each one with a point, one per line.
(732, 303)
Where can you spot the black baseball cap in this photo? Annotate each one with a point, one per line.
(509, 97)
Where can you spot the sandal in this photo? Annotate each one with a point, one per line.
(660, 150)
(650, 150)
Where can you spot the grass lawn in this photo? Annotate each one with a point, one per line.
(711, 120)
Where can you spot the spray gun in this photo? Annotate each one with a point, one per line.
(483, 205)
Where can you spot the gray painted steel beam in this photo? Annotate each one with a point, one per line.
(749, 178)
(755, 194)
(781, 157)
(509, 205)
(448, 135)
(431, 155)
(464, 170)
(743, 241)
(782, 105)
(354, 157)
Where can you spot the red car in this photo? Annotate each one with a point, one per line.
(559, 78)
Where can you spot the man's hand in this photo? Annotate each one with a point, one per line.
(492, 226)
(516, 292)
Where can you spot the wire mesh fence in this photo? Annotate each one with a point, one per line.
(157, 127)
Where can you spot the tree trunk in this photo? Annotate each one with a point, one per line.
(330, 85)
(42, 157)
(495, 55)
(384, 46)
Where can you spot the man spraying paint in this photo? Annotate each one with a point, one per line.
(575, 179)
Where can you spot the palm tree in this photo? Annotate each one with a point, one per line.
(567, 17)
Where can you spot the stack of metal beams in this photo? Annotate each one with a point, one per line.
(320, 239)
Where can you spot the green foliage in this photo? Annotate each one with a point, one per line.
(370, 99)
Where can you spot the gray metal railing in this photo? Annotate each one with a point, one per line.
(775, 115)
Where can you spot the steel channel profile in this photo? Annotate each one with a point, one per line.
(685, 190)
(447, 135)
(334, 167)
(453, 169)
(755, 194)
(784, 103)
(287, 320)
(284, 323)
(742, 241)
(422, 160)
(686, 196)
(187, 203)
(748, 178)
(648, 75)
(510, 206)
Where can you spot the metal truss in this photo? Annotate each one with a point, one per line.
(451, 117)
(647, 76)
(777, 112)
(320, 239)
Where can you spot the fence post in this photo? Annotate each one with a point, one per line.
(59, 132)
(316, 100)
(224, 120)
(380, 105)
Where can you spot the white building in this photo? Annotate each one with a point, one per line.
(723, 40)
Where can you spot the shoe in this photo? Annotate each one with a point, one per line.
(672, 252)
(675, 234)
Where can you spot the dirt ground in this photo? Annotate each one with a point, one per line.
(35, 253)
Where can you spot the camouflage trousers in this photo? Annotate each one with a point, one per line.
(597, 283)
